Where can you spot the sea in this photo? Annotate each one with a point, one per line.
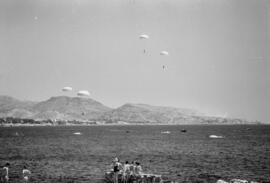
(183, 153)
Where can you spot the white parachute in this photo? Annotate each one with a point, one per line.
(164, 53)
(144, 36)
(83, 93)
(67, 88)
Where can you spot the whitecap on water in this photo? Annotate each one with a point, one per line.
(166, 132)
(216, 136)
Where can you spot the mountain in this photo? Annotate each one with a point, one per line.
(55, 108)
(69, 108)
(8, 103)
(15, 108)
(143, 113)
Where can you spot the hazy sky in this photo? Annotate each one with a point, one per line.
(218, 62)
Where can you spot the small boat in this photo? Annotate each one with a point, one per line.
(183, 130)
(77, 133)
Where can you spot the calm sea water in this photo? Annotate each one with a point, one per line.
(55, 154)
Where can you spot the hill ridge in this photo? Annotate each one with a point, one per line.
(67, 108)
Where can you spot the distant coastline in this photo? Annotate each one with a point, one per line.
(15, 122)
(70, 111)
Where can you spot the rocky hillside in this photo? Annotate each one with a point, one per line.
(69, 108)
(55, 108)
(8, 103)
(142, 113)
(15, 108)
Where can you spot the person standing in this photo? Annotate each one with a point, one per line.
(117, 166)
(126, 172)
(5, 171)
(26, 174)
(132, 176)
(138, 169)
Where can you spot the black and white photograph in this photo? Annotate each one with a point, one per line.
(134, 91)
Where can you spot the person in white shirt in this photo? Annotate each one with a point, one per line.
(126, 172)
(26, 174)
(5, 171)
(138, 169)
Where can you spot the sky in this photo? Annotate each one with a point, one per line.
(218, 60)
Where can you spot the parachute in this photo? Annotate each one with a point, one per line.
(144, 36)
(164, 53)
(83, 93)
(67, 88)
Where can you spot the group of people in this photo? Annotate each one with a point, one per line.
(127, 171)
(4, 174)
